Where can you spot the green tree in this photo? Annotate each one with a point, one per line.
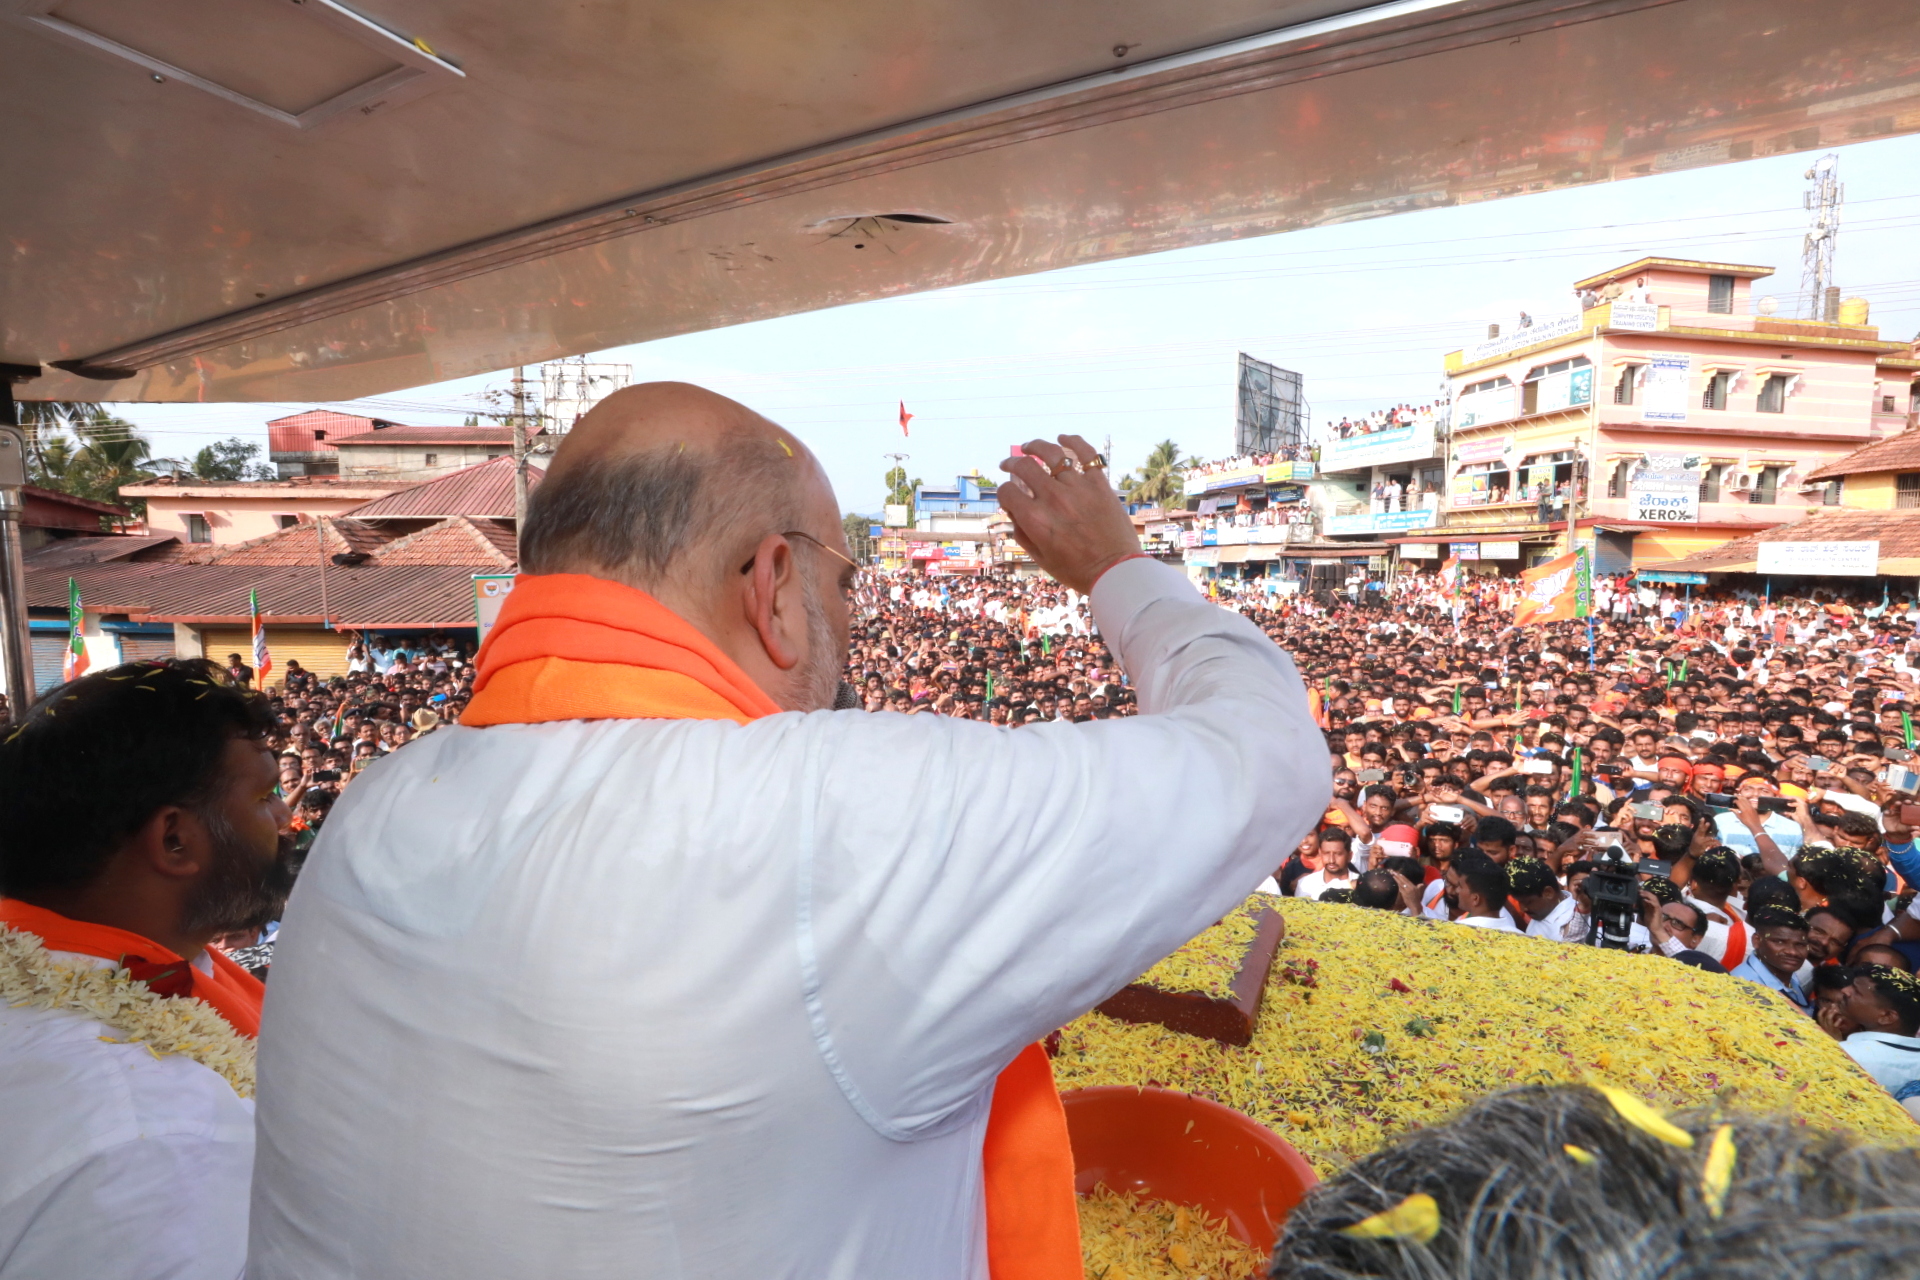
(859, 540)
(231, 459)
(47, 422)
(899, 488)
(1161, 480)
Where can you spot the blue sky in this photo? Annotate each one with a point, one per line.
(1144, 350)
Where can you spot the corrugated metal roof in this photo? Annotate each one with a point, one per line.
(369, 595)
(484, 489)
(1895, 453)
(62, 552)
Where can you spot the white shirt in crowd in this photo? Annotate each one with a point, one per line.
(692, 998)
(1502, 923)
(1311, 885)
(116, 1163)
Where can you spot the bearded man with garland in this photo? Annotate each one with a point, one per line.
(656, 965)
(139, 819)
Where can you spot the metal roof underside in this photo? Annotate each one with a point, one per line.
(544, 180)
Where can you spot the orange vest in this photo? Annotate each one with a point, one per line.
(233, 993)
(572, 647)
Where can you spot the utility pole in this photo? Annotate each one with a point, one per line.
(519, 451)
(1819, 297)
(16, 647)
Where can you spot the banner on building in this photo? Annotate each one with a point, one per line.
(1665, 488)
(1558, 591)
(1667, 388)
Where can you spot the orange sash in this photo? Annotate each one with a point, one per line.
(233, 993)
(572, 647)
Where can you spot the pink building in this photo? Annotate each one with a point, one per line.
(1674, 412)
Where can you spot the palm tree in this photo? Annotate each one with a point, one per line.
(46, 422)
(1161, 480)
(111, 454)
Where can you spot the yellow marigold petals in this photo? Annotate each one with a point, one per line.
(1580, 1154)
(1417, 1218)
(1645, 1118)
(1605, 1059)
(1717, 1177)
(1180, 1256)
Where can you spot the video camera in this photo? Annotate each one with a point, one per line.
(1614, 890)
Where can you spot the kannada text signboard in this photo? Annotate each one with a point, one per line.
(1820, 559)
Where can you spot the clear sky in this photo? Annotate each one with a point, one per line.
(1144, 350)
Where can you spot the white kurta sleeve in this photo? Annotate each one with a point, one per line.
(964, 889)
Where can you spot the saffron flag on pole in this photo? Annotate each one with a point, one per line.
(262, 660)
(1450, 579)
(75, 663)
(1557, 591)
(905, 418)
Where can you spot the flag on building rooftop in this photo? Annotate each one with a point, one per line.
(262, 659)
(75, 663)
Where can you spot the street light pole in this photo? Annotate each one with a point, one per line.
(16, 645)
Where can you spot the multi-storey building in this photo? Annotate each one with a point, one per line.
(1673, 413)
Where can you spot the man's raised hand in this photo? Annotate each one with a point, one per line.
(1065, 513)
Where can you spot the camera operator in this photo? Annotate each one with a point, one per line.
(1550, 908)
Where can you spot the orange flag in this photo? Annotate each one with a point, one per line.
(905, 418)
(1557, 591)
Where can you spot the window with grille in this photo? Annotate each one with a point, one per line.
(1906, 489)
(1830, 496)
(433, 459)
(1886, 404)
(1773, 394)
(1617, 483)
(1720, 294)
(197, 530)
(1715, 394)
(1710, 485)
(1623, 389)
(1766, 490)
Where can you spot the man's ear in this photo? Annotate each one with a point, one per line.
(773, 604)
(173, 843)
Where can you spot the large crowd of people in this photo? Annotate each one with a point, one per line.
(1758, 747)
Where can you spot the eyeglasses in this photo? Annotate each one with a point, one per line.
(796, 533)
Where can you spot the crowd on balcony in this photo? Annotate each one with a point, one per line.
(1378, 420)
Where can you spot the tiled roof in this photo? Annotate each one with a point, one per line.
(65, 552)
(477, 544)
(502, 436)
(456, 540)
(368, 595)
(485, 489)
(1895, 453)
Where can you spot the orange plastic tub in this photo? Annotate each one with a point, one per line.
(1186, 1150)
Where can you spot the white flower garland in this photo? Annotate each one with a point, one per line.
(164, 1024)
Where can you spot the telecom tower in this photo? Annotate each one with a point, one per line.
(572, 386)
(1819, 295)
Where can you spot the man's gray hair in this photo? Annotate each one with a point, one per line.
(1515, 1204)
(635, 518)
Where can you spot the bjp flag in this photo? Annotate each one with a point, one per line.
(1558, 591)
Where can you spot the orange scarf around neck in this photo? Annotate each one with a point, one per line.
(232, 992)
(572, 647)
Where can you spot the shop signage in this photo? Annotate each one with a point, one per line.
(1836, 559)
(1419, 551)
(1665, 488)
(1540, 331)
(1463, 550)
(490, 592)
(1639, 317)
(1382, 522)
(1499, 551)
